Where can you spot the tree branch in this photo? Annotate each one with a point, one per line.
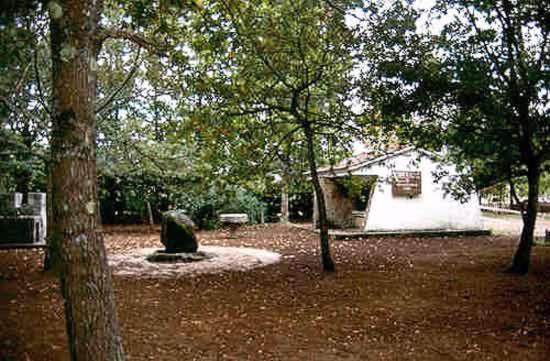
(23, 77)
(277, 146)
(41, 98)
(138, 39)
(109, 99)
(334, 6)
(261, 55)
(490, 54)
(15, 109)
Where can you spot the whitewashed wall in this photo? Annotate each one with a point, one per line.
(431, 210)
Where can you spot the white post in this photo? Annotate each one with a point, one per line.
(38, 203)
(150, 214)
(17, 199)
(262, 221)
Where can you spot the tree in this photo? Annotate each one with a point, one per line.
(284, 69)
(480, 86)
(23, 110)
(75, 233)
(77, 31)
(75, 236)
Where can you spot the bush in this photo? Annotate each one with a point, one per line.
(124, 199)
(24, 210)
(205, 207)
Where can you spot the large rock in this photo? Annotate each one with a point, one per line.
(178, 233)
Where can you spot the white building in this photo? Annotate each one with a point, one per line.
(395, 191)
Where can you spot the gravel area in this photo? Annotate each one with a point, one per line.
(133, 262)
(512, 225)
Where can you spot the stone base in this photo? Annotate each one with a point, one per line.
(133, 263)
(22, 229)
(162, 256)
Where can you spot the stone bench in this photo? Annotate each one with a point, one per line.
(233, 218)
(233, 221)
(22, 225)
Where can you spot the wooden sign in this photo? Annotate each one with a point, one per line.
(406, 184)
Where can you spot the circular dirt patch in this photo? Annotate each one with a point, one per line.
(134, 262)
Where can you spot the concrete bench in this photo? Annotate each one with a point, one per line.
(233, 218)
(22, 228)
(233, 221)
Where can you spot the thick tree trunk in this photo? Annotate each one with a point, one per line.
(77, 241)
(328, 264)
(522, 257)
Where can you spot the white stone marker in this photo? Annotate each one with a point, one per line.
(38, 203)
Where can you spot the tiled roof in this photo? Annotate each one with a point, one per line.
(362, 158)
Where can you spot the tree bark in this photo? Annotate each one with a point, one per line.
(328, 264)
(522, 257)
(512, 193)
(284, 194)
(76, 237)
(150, 218)
(24, 176)
(284, 204)
(514, 199)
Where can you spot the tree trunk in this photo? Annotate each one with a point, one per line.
(150, 218)
(262, 217)
(24, 176)
(77, 240)
(522, 257)
(513, 195)
(284, 205)
(284, 194)
(328, 264)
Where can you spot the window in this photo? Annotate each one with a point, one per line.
(406, 184)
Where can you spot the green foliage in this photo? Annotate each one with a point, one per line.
(204, 207)
(194, 122)
(8, 212)
(264, 70)
(478, 88)
(23, 92)
(125, 199)
(241, 201)
(357, 188)
(24, 210)
(21, 169)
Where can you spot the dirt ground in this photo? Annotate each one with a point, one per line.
(390, 299)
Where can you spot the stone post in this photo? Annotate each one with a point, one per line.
(37, 201)
(17, 199)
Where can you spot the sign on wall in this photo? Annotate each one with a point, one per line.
(406, 184)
